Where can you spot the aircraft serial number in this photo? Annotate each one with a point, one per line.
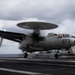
(66, 41)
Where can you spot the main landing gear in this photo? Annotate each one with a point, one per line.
(70, 51)
(57, 54)
(25, 55)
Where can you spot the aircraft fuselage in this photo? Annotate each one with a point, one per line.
(48, 43)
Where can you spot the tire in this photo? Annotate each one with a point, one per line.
(25, 55)
(56, 56)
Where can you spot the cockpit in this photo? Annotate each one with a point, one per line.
(58, 35)
(66, 35)
(63, 35)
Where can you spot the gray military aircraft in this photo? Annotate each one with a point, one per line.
(36, 42)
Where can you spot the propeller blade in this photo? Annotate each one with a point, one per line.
(1, 40)
(36, 35)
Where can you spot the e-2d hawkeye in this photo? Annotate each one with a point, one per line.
(36, 42)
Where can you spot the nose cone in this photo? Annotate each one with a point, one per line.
(72, 41)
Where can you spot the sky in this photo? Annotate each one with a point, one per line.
(60, 12)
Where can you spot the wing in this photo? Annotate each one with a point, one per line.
(17, 37)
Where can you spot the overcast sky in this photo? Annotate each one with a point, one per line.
(61, 12)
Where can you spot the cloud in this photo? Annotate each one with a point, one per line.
(50, 10)
(10, 25)
(68, 26)
(6, 7)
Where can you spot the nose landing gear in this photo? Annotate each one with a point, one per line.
(70, 51)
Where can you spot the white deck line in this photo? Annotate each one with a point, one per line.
(23, 72)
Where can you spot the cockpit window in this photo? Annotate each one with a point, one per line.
(66, 35)
(63, 35)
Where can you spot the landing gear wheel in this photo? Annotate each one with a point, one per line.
(25, 55)
(68, 53)
(56, 56)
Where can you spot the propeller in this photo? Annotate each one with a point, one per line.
(2, 27)
(1, 40)
(36, 35)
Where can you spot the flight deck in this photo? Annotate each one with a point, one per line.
(65, 65)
